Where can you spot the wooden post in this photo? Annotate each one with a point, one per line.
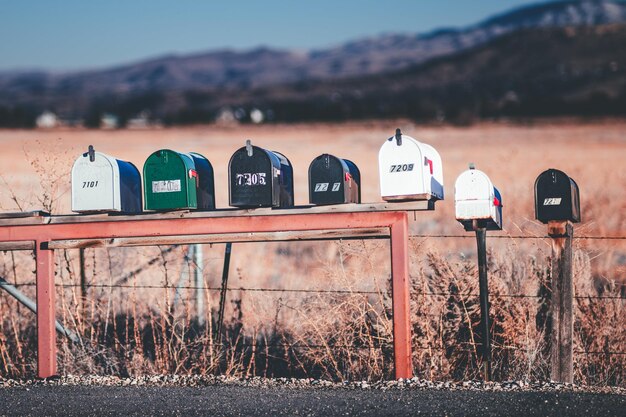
(46, 336)
(481, 242)
(400, 287)
(561, 306)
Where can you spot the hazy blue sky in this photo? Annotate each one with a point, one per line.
(74, 34)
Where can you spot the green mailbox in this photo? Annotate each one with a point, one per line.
(170, 181)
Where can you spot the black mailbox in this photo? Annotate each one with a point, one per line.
(259, 178)
(556, 197)
(334, 180)
(205, 192)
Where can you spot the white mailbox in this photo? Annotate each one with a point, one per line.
(477, 202)
(409, 170)
(101, 183)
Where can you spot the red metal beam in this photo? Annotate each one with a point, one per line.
(400, 283)
(191, 226)
(397, 221)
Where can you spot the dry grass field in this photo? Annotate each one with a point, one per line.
(344, 335)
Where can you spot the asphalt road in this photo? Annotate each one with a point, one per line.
(276, 401)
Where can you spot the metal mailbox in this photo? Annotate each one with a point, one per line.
(170, 181)
(259, 178)
(409, 170)
(556, 197)
(478, 204)
(205, 193)
(101, 183)
(334, 180)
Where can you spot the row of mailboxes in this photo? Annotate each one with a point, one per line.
(409, 170)
(478, 204)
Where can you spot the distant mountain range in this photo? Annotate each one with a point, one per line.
(191, 88)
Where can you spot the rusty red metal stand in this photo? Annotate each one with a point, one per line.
(81, 231)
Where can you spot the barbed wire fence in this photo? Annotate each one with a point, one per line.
(122, 283)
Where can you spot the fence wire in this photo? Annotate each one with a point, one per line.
(122, 285)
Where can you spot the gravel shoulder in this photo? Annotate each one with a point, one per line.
(221, 396)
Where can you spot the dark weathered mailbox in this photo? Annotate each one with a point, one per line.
(409, 170)
(170, 181)
(101, 183)
(556, 197)
(334, 180)
(259, 178)
(205, 193)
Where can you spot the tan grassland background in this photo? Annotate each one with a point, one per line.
(136, 330)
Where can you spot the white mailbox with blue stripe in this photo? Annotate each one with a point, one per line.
(409, 170)
(478, 204)
(101, 183)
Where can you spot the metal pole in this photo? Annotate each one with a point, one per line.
(30, 304)
(83, 278)
(561, 303)
(220, 319)
(184, 273)
(199, 275)
(46, 336)
(481, 242)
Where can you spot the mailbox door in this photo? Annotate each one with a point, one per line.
(433, 171)
(169, 181)
(355, 194)
(95, 184)
(327, 180)
(497, 209)
(575, 202)
(556, 197)
(205, 194)
(285, 181)
(253, 180)
(130, 187)
(401, 170)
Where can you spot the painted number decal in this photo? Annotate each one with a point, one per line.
(168, 186)
(402, 168)
(90, 184)
(552, 202)
(248, 178)
(320, 187)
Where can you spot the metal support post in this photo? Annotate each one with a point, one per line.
(400, 282)
(481, 242)
(46, 335)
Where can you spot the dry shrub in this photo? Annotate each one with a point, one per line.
(339, 336)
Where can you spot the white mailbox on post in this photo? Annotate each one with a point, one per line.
(409, 170)
(101, 183)
(477, 202)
